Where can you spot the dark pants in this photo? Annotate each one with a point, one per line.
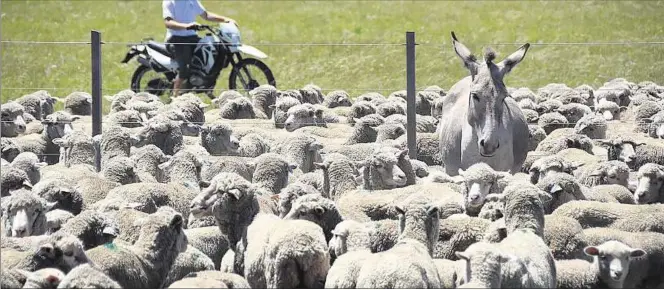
(183, 53)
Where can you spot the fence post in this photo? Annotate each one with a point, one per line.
(95, 41)
(410, 95)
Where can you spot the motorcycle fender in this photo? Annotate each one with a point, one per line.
(250, 50)
(158, 59)
(134, 50)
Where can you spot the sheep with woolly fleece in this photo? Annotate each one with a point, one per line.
(114, 141)
(532, 116)
(588, 93)
(312, 94)
(24, 214)
(420, 168)
(289, 194)
(304, 115)
(317, 209)
(391, 107)
(77, 147)
(62, 193)
(32, 103)
(644, 270)
(190, 261)
(528, 104)
(645, 111)
(78, 103)
(211, 279)
(118, 100)
(493, 207)
(29, 162)
(56, 218)
(428, 147)
(263, 97)
(218, 139)
(626, 217)
(280, 110)
(165, 134)
(656, 125)
(606, 172)
(609, 110)
(87, 276)
(340, 173)
(125, 215)
(364, 130)
(548, 164)
(592, 125)
(374, 236)
(13, 179)
(650, 188)
(92, 228)
(253, 145)
(458, 232)
(276, 248)
(563, 188)
(360, 109)
(381, 170)
(13, 123)
(389, 131)
(483, 266)
(479, 180)
(565, 237)
(337, 98)
(47, 278)
(552, 121)
(119, 169)
(272, 171)
(56, 125)
(126, 118)
(146, 263)
(424, 124)
(574, 112)
(577, 157)
(556, 142)
(9, 149)
(238, 108)
(243, 166)
(437, 106)
(234, 202)
(371, 97)
(210, 241)
(147, 160)
(549, 106)
(635, 154)
(418, 232)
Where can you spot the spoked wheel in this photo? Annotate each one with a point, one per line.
(249, 74)
(145, 79)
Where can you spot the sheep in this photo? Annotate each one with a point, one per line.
(13, 179)
(607, 172)
(253, 145)
(9, 149)
(263, 97)
(211, 279)
(56, 218)
(557, 142)
(292, 192)
(56, 125)
(165, 134)
(24, 214)
(218, 139)
(87, 276)
(456, 234)
(574, 112)
(492, 209)
(78, 103)
(114, 141)
(77, 147)
(380, 171)
(300, 149)
(650, 187)
(552, 121)
(272, 172)
(12, 120)
(645, 111)
(303, 115)
(238, 108)
(65, 196)
(126, 119)
(210, 241)
(656, 126)
(147, 160)
(92, 228)
(32, 103)
(317, 209)
(480, 180)
(391, 107)
(626, 217)
(190, 261)
(483, 266)
(592, 125)
(364, 130)
(549, 106)
(532, 116)
(190, 105)
(577, 157)
(549, 164)
(285, 253)
(635, 154)
(528, 104)
(360, 109)
(564, 236)
(47, 278)
(119, 169)
(280, 110)
(146, 263)
(341, 174)
(577, 274)
(29, 163)
(59, 250)
(420, 168)
(537, 135)
(351, 236)
(337, 98)
(645, 268)
(609, 110)
(311, 94)
(409, 261)
(245, 167)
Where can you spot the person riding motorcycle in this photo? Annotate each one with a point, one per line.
(179, 18)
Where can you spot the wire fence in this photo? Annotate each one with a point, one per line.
(397, 50)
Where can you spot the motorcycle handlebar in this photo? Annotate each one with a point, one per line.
(199, 27)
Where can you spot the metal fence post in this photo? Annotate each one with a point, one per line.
(410, 93)
(95, 41)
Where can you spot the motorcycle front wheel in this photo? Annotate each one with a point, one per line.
(250, 73)
(143, 81)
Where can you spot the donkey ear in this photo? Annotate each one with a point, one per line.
(515, 58)
(468, 58)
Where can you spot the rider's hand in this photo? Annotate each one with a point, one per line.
(193, 26)
(228, 20)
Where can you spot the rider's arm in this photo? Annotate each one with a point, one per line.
(167, 14)
(209, 16)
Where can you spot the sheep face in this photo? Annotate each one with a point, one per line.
(651, 180)
(24, 214)
(58, 124)
(592, 125)
(65, 251)
(301, 116)
(493, 207)
(609, 110)
(164, 228)
(621, 149)
(218, 139)
(478, 178)
(225, 193)
(9, 149)
(483, 265)
(384, 166)
(12, 120)
(613, 261)
(419, 221)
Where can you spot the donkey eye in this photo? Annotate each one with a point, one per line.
(475, 97)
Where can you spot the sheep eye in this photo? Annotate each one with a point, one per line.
(69, 253)
(603, 257)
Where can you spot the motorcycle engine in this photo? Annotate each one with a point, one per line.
(196, 79)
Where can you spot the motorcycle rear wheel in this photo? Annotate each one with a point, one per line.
(156, 86)
(248, 81)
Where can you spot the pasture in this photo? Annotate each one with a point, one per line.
(273, 25)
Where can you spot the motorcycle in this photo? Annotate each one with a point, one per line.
(216, 51)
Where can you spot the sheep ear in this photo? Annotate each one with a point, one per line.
(555, 189)
(204, 184)
(591, 251)
(111, 231)
(177, 221)
(433, 210)
(40, 164)
(292, 167)
(164, 165)
(461, 172)
(597, 173)
(399, 209)
(274, 197)
(462, 255)
(50, 205)
(402, 154)
(320, 166)
(319, 210)
(272, 106)
(314, 146)
(458, 179)
(27, 184)
(637, 253)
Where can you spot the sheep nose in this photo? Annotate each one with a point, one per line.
(21, 232)
(235, 143)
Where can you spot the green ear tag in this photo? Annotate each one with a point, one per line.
(111, 246)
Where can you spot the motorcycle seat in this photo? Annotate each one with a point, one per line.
(162, 48)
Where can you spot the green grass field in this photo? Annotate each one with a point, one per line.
(355, 69)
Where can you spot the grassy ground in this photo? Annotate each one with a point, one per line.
(352, 68)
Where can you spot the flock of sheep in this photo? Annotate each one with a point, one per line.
(299, 189)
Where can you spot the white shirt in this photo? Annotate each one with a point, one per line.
(183, 11)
